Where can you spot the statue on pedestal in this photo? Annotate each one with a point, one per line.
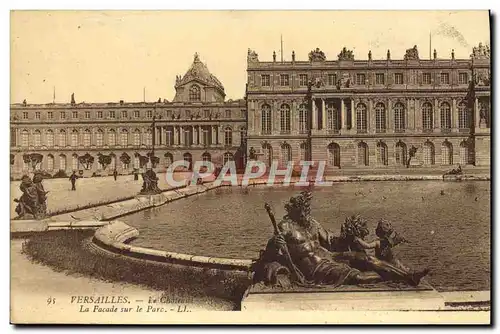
(150, 183)
(33, 202)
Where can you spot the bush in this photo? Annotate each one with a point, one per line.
(60, 174)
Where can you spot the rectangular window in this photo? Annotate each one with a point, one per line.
(137, 114)
(124, 114)
(266, 80)
(111, 114)
(149, 114)
(74, 114)
(99, 114)
(87, 114)
(463, 78)
(360, 79)
(379, 79)
(426, 78)
(62, 115)
(50, 115)
(332, 79)
(243, 114)
(445, 78)
(398, 78)
(302, 80)
(25, 115)
(228, 113)
(37, 115)
(284, 80)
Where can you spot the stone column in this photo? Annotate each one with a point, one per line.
(275, 118)
(477, 115)
(437, 115)
(343, 114)
(181, 130)
(353, 116)
(201, 133)
(390, 117)
(220, 135)
(371, 117)
(314, 115)
(176, 138)
(323, 114)
(214, 135)
(454, 114)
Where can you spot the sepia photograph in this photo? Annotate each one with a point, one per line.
(250, 167)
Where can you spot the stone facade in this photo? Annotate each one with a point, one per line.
(370, 113)
(199, 124)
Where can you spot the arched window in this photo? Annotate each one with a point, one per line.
(50, 162)
(137, 137)
(228, 136)
(361, 123)
(445, 111)
(332, 117)
(466, 156)
(228, 156)
(334, 155)
(124, 138)
(99, 137)
(285, 118)
(62, 138)
(74, 162)
(463, 116)
(363, 154)
(137, 162)
(37, 138)
(304, 152)
(62, 162)
(74, 138)
(86, 138)
(428, 153)
(427, 117)
(399, 117)
(268, 154)
(194, 93)
(148, 138)
(380, 118)
(266, 119)
(401, 154)
(286, 154)
(50, 139)
(112, 165)
(189, 159)
(206, 157)
(303, 128)
(169, 158)
(125, 160)
(111, 137)
(24, 138)
(382, 154)
(446, 153)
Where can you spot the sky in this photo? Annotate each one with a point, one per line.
(107, 56)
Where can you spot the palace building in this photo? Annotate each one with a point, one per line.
(99, 137)
(372, 113)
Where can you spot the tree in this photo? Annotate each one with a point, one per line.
(125, 159)
(86, 160)
(104, 160)
(33, 159)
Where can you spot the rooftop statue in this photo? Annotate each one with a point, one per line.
(481, 52)
(317, 55)
(252, 56)
(303, 253)
(345, 54)
(33, 202)
(412, 54)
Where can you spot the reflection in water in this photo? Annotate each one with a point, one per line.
(450, 233)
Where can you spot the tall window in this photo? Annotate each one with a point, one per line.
(25, 115)
(428, 153)
(206, 157)
(399, 117)
(382, 155)
(284, 80)
(62, 162)
(124, 114)
(188, 136)
(463, 78)
(303, 118)
(124, 138)
(228, 156)
(50, 115)
(86, 138)
(137, 137)
(24, 138)
(50, 138)
(99, 114)
(302, 79)
(189, 159)
(194, 93)
(50, 162)
(169, 136)
(74, 138)
(62, 115)
(332, 117)
(285, 118)
(363, 157)
(74, 114)
(446, 153)
(445, 116)
(87, 114)
(112, 165)
(206, 135)
(266, 80)
(228, 136)
(149, 114)
(303, 151)
(74, 162)
(465, 153)
(398, 78)
(148, 137)
(268, 154)
(380, 119)
(286, 154)
(426, 78)
(266, 119)
(62, 138)
(112, 114)
(379, 78)
(111, 137)
(401, 158)
(334, 155)
(37, 115)
(360, 79)
(137, 113)
(463, 116)
(37, 138)
(99, 138)
(445, 78)
(361, 122)
(427, 116)
(332, 79)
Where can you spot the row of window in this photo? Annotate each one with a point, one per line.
(186, 137)
(363, 157)
(333, 117)
(360, 79)
(207, 114)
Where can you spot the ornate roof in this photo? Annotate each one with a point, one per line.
(199, 71)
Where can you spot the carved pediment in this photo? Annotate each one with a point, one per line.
(345, 54)
(317, 55)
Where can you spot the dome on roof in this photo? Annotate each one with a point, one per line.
(199, 71)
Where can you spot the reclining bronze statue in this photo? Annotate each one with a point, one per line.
(33, 202)
(303, 253)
